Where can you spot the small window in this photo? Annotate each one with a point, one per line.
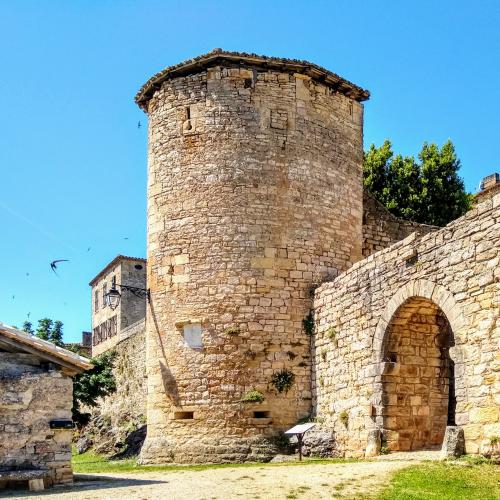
(104, 291)
(113, 282)
(96, 300)
(184, 415)
(138, 266)
(261, 414)
(193, 335)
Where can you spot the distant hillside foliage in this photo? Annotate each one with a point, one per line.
(427, 190)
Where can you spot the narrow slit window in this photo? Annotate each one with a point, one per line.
(184, 415)
(261, 414)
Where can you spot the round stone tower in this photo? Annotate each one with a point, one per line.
(254, 197)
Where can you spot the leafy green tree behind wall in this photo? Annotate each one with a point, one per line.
(93, 384)
(426, 190)
(47, 330)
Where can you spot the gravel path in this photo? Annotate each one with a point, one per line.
(309, 481)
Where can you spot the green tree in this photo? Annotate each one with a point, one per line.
(44, 329)
(56, 334)
(28, 328)
(93, 384)
(428, 191)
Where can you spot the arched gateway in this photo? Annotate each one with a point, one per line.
(416, 382)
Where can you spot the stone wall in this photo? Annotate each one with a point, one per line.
(412, 332)
(122, 413)
(130, 310)
(254, 195)
(31, 395)
(382, 229)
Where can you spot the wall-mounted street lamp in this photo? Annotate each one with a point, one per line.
(113, 296)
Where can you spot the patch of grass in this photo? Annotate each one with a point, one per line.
(445, 481)
(89, 463)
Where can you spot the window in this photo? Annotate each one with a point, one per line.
(104, 291)
(192, 335)
(113, 282)
(96, 300)
(261, 414)
(184, 415)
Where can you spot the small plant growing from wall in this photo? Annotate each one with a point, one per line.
(282, 380)
(321, 382)
(308, 324)
(323, 354)
(331, 335)
(250, 354)
(344, 418)
(253, 396)
(232, 330)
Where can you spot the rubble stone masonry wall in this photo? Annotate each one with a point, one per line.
(31, 395)
(382, 229)
(254, 195)
(408, 340)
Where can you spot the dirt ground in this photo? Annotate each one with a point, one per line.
(309, 481)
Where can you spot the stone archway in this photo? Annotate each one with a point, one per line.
(415, 354)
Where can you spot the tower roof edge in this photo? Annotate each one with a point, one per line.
(218, 55)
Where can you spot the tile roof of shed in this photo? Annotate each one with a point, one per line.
(29, 343)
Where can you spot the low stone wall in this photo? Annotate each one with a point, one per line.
(409, 336)
(31, 395)
(382, 229)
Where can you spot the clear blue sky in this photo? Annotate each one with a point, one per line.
(73, 162)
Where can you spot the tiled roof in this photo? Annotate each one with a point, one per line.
(218, 55)
(29, 343)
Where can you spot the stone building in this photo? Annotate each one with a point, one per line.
(407, 340)
(111, 326)
(35, 408)
(254, 195)
(280, 291)
(121, 330)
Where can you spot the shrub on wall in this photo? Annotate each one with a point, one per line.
(253, 396)
(283, 380)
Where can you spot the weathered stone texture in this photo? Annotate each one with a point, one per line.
(31, 395)
(124, 411)
(254, 195)
(381, 229)
(389, 328)
(108, 324)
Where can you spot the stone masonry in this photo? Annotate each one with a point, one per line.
(111, 326)
(254, 195)
(407, 340)
(36, 390)
(255, 200)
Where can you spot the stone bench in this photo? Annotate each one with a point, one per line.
(34, 477)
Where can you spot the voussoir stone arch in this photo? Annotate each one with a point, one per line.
(430, 290)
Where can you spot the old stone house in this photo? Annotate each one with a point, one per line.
(35, 408)
(255, 197)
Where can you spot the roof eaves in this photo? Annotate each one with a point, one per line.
(313, 70)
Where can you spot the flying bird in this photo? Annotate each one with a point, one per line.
(88, 249)
(139, 125)
(53, 264)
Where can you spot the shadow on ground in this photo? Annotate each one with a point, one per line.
(82, 482)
